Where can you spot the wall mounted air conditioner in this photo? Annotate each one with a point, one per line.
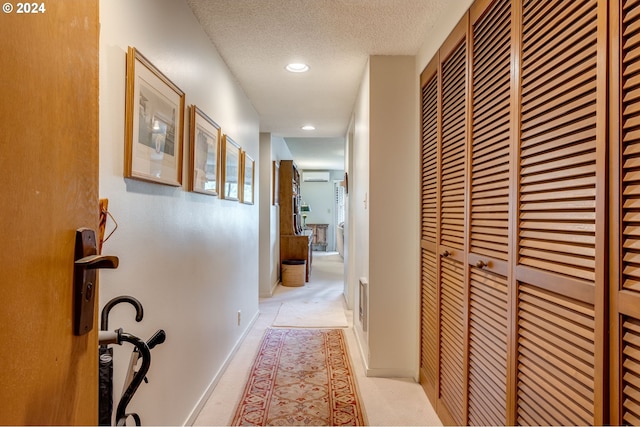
(315, 176)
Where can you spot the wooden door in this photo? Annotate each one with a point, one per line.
(452, 235)
(625, 214)
(443, 241)
(561, 235)
(49, 175)
(430, 294)
(490, 176)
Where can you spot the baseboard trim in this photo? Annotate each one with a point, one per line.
(380, 372)
(216, 378)
(271, 291)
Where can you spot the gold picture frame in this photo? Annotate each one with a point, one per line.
(204, 159)
(154, 123)
(230, 177)
(248, 179)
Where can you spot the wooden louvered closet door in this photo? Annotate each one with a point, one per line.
(561, 240)
(490, 175)
(444, 142)
(451, 238)
(429, 328)
(625, 215)
(514, 224)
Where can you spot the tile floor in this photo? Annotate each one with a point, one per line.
(387, 401)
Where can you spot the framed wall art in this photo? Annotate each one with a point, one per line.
(248, 175)
(154, 123)
(204, 140)
(230, 167)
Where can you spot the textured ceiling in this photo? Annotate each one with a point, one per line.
(257, 38)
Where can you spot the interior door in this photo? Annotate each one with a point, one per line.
(49, 176)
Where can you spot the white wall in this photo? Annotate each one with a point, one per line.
(358, 236)
(272, 148)
(190, 259)
(385, 215)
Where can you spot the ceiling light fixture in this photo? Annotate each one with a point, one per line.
(308, 127)
(297, 68)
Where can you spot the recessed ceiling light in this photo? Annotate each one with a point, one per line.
(297, 68)
(308, 127)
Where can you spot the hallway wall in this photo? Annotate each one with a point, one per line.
(272, 148)
(383, 202)
(189, 258)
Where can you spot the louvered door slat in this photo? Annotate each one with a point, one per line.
(453, 149)
(548, 28)
(429, 159)
(631, 369)
(560, 171)
(556, 357)
(488, 349)
(452, 338)
(627, 391)
(490, 130)
(631, 158)
(489, 224)
(429, 338)
(429, 325)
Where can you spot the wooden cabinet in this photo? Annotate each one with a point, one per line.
(319, 236)
(294, 244)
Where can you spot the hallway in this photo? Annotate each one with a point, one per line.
(386, 401)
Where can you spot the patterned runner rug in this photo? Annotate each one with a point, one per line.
(301, 377)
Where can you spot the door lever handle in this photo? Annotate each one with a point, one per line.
(87, 261)
(94, 262)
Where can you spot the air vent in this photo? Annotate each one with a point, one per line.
(315, 176)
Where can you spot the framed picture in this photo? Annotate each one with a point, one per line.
(204, 139)
(230, 167)
(154, 123)
(248, 175)
(275, 172)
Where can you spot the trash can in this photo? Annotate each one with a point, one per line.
(293, 272)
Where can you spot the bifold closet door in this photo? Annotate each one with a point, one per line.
(444, 295)
(490, 178)
(452, 406)
(429, 325)
(625, 223)
(561, 214)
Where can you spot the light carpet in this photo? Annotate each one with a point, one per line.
(301, 377)
(311, 314)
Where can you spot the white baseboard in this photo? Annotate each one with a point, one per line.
(273, 289)
(381, 372)
(216, 378)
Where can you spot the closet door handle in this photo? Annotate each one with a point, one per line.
(445, 254)
(481, 264)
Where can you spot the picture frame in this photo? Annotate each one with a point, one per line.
(275, 179)
(204, 159)
(230, 178)
(248, 179)
(154, 123)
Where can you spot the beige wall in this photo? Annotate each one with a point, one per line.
(189, 258)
